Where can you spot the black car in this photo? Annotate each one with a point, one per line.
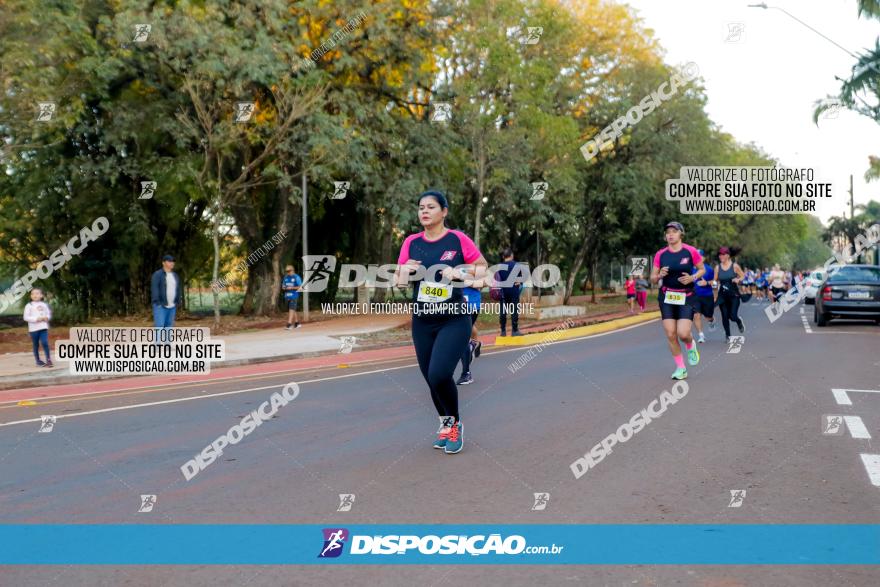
(853, 291)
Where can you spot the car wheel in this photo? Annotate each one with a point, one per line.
(821, 319)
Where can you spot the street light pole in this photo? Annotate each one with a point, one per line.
(305, 221)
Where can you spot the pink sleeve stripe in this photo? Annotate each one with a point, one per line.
(468, 248)
(404, 249)
(695, 254)
(657, 257)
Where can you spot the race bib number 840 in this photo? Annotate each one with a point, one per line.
(430, 291)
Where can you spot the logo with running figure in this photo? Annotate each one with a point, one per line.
(639, 265)
(447, 256)
(244, 111)
(541, 501)
(735, 344)
(318, 269)
(832, 425)
(47, 423)
(346, 501)
(147, 503)
(141, 32)
(736, 498)
(334, 540)
(340, 189)
(148, 190)
(539, 190)
(46, 111)
(442, 112)
(346, 344)
(735, 32)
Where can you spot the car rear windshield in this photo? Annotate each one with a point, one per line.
(869, 274)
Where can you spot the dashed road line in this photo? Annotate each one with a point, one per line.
(872, 465)
(856, 427)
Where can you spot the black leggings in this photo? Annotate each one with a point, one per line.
(438, 342)
(729, 306)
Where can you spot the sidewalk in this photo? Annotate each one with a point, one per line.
(316, 339)
(313, 339)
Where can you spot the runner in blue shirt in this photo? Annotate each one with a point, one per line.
(472, 299)
(290, 285)
(705, 302)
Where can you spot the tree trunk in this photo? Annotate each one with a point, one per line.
(215, 237)
(593, 267)
(576, 267)
(480, 153)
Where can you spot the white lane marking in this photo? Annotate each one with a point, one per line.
(806, 324)
(865, 332)
(278, 385)
(842, 396)
(856, 427)
(802, 310)
(872, 465)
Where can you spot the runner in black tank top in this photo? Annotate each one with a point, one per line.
(729, 276)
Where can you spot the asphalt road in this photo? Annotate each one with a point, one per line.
(752, 421)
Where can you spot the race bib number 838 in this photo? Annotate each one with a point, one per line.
(675, 298)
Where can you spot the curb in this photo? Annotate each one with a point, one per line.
(30, 381)
(554, 335)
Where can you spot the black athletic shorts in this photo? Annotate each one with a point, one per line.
(291, 304)
(674, 312)
(705, 305)
(777, 291)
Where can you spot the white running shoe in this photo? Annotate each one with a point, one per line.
(701, 338)
(712, 326)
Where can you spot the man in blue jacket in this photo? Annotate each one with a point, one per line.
(165, 293)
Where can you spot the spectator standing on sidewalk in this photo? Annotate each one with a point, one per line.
(291, 284)
(165, 294)
(509, 294)
(37, 315)
(641, 292)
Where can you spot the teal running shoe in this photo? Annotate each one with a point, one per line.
(446, 423)
(693, 356)
(680, 373)
(455, 440)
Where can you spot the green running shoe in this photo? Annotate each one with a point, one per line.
(680, 373)
(693, 356)
(455, 441)
(446, 423)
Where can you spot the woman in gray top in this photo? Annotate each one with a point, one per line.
(641, 293)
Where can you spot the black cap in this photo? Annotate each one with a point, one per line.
(676, 225)
(168, 258)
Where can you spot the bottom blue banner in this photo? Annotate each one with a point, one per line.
(593, 544)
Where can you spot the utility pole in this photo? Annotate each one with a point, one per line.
(852, 209)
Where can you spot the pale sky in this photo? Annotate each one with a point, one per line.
(763, 87)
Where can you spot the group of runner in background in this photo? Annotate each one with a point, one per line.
(691, 287)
